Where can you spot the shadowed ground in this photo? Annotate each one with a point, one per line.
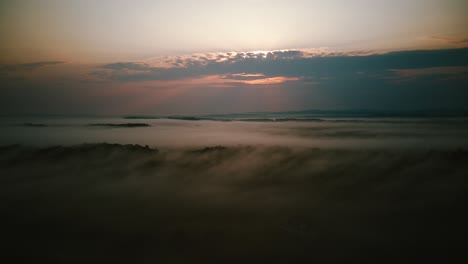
(131, 204)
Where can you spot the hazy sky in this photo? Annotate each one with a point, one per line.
(207, 56)
(105, 30)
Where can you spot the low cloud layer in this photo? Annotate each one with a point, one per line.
(304, 131)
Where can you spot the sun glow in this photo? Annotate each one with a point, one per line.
(264, 52)
(271, 80)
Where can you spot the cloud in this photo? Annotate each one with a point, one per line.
(461, 41)
(27, 66)
(290, 64)
(127, 66)
(244, 76)
(271, 80)
(257, 78)
(434, 71)
(196, 65)
(226, 82)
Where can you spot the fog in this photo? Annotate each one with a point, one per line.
(323, 133)
(98, 203)
(187, 190)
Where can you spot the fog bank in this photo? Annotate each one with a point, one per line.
(99, 203)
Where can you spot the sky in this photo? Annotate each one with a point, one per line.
(202, 57)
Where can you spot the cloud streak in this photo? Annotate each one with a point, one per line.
(27, 66)
(461, 72)
(461, 41)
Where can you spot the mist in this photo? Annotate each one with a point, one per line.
(330, 133)
(119, 203)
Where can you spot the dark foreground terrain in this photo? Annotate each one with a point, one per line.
(105, 203)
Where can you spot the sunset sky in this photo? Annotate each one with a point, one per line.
(201, 57)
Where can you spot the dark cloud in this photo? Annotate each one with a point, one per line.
(354, 80)
(127, 66)
(295, 64)
(430, 79)
(434, 72)
(244, 76)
